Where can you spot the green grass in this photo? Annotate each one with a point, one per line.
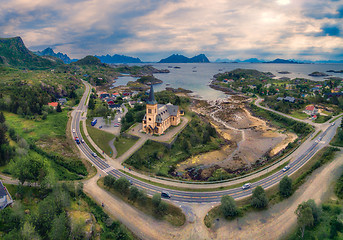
(174, 214)
(316, 134)
(299, 114)
(54, 126)
(336, 141)
(100, 138)
(123, 144)
(322, 119)
(88, 143)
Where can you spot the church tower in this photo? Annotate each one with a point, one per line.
(151, 111)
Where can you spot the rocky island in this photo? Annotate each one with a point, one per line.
(318, 74)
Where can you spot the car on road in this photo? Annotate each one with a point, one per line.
(94, 154)
(165, 194)
(333, 124)
(73, 130)
(116, 125)
(286, 168)
(320, 138)
(82, 140)
(100, 127)
(246, 186)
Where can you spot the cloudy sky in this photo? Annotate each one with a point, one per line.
(153, 29)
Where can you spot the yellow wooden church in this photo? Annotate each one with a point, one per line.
(159, 117)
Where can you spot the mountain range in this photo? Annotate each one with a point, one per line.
(177, 58)
(116, 58)
(49, 52)
(277, 60)
(13, 52)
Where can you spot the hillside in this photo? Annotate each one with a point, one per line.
(116, 58)
(89, 60)
(177, 58)
(13, 52)
(50, 52)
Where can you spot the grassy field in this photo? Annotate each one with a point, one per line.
(174, 214)
(54, 126)
(322, 119)
(101, 138)
(48, 139)
(123, 144)
(299, 114)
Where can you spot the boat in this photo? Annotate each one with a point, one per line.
(177, 67)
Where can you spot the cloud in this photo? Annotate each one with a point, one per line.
(153, 29)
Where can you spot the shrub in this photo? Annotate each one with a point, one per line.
(285, 186)
(228, 206)
(259, 198)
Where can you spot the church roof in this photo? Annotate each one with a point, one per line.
(151, 99)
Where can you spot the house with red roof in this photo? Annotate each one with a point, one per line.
(53, 104)
(311, 110)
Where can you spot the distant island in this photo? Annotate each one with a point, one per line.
(177, 58)
(334, 71)
(318, 74)
(50, 52)
(116, 58)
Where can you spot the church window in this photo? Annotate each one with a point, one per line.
(149, 110)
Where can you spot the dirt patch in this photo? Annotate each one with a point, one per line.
(250, 141)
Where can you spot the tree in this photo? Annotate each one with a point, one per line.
(58, 109)
(259, 198)
(122, 185)
(109, 180)
(304, 217)
(2, 117)
(228, 206)
(28, 168)
(285, 187)
(134, 192)
(91, 103)
(156, 200)
(161, 209)
(28, 232)
(60, 228)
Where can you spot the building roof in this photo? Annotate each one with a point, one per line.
(309, 108)
(53, 104)
(289, 99)
(151, 99)
(2, 190)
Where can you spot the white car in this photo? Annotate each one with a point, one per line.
(73, 130)
(286, 168)
(94, 154)
(82, 141)
(246, 186)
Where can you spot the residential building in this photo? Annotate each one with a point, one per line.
(311, 110)
(53, 104)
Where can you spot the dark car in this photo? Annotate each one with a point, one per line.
(165, 194)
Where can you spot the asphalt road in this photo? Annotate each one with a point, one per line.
(315, 145)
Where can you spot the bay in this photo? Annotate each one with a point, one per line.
(197, 76)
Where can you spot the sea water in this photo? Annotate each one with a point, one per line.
(197, 76)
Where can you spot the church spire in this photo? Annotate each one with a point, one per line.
(151, 99)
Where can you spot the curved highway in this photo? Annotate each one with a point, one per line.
(182, 196)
